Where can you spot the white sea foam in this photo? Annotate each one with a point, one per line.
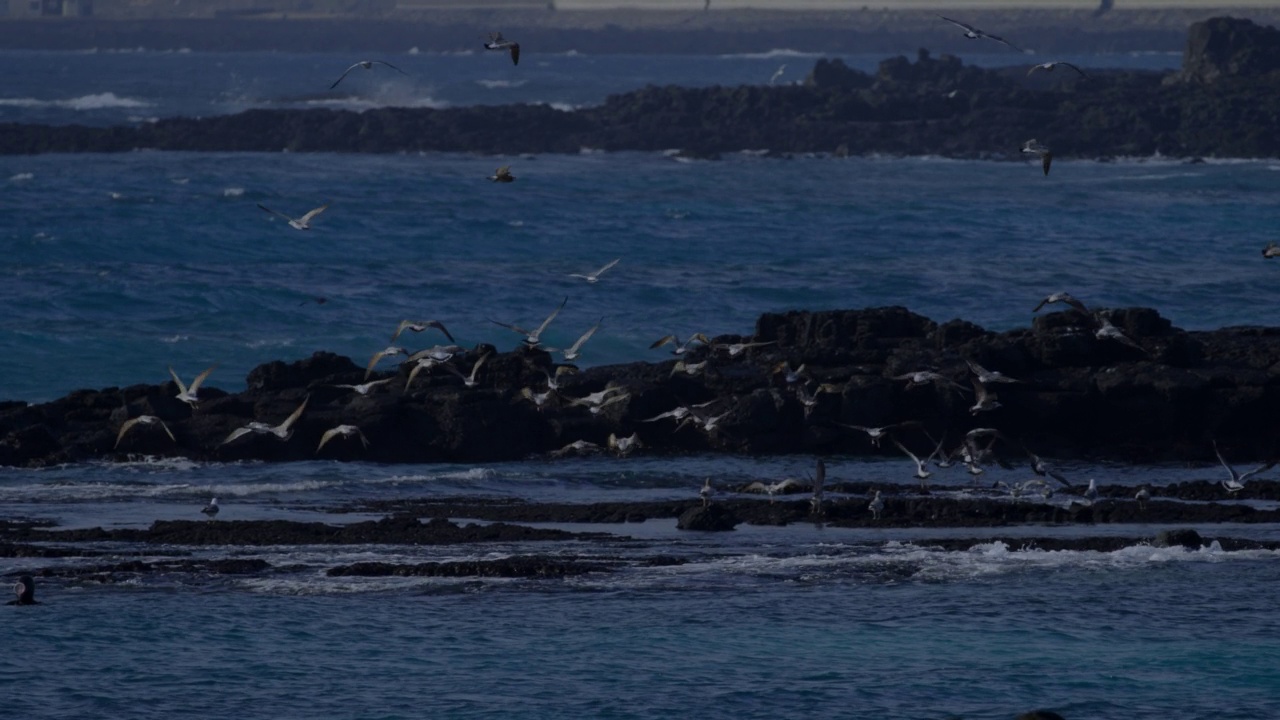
(175, 339)
(21, 177)
(494, 84)
(96, 101)
(232, 192)
(775, 53)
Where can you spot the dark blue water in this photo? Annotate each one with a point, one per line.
(116, 267)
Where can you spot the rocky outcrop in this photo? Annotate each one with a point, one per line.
(1162, 397)
(930, 106)
(1230, 48)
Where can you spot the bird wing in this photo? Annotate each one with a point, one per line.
(700, 338)
(536, 333)
(665, 340)
(1035, 68)
(476, 368)
(124, 429)
(327, 436)
(237, 433)
(585, 336)
(1073, 67)
(182, 387)
(289, 421)
(821, 476)
(602, 270)
(195, 384)
(404, 324)
(340, 79)
(1045, 161)
(1002, 40)
(373, 361)
(1261, 468)
(439, 326)
(515, 53)
(393, 67)
(970, 28)
(513, 328)
(311, 215)
(1224, 462)
(1075, 303)
(1042, 304)
(275, 212)
(904, 449)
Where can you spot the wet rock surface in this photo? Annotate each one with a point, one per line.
(1223, 103)
(814, 377)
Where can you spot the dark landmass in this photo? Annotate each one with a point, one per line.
(1223, 103)
(1163, 398)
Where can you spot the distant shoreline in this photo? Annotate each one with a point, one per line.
(624, 32)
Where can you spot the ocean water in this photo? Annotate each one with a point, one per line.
(116, 267)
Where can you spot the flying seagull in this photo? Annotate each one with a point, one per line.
(391, 351)
(989, 376)
(974, 33)
(1271, 250)
(777, 74)
(187, 394)
(420, 326)
(1107, 331)
(364, 388)
(469, 380)
(985, 399)
(345, 431)
(497, 42)
(1062, 297)
(1049, 66)
(594, 277)
(143, 420)
(302, 223)
(680, 348)
(572, 352)
(367, 65)
(532, 336)
(1046, 156)
(283, 431)
(503, 174)
(1235, 483)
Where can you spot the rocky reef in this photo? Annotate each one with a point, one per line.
(1223, 103)
(1152, 393)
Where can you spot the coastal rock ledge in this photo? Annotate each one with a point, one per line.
(1164, 397)
(1223, 103)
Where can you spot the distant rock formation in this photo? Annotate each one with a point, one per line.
(1225, 47)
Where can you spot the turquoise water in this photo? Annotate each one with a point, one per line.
(117, 266)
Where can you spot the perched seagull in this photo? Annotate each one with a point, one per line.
(594, 277)
(680, 348)
(497, 42)
(302, 223)
(974, 33)
(1039, 467)
(211, 509)
(364, 388)
(144, 420)
(922, 466)
(1271, 250)
(1107, 331)
(577, 447)
(571, 353)
(345, 431)
(419, 326)
(1091, 492)
(469, 380)
(503, 174)
(187, 394)
(532, 336)
(820, 479)
(706, 492)
(389, 352)
(876, 506)
(1062, 297)
(367, 65)
(624, 446)
(777, 74)
(1046, 156)
(1049, 66)
(989, 376)
(283, 431)
(984, 399)
(1235, 483)
(876, 434)
(1143, 496)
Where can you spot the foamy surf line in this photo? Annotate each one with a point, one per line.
(97, 101)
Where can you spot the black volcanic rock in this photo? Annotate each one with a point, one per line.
(1079, 395)
(1225, 47)
(713, 518)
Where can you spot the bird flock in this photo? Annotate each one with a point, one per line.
(976, 447)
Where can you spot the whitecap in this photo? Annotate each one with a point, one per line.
(413, 50)
(232, 192)
(493, 84)
(175, 339)
(21, 177)
(775, 53)
(96, 101)
(179, 181)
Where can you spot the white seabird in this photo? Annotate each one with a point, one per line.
(364, 388)
(1046, 155)
(922, 466)
(143, 420)
(1271, 250)
(680, 348)
(984, 399)
(345, 431)
(876, 434)
(211, 509)
(388, 352)
(1062, 297)
(594, 277)
(1049, 66)
(1142, 496)
(283, 431)
(624, 446)
(420, 326)
(469, 380)
(302, 223)
(367, 65)
(974, 33)
(1235, 483)
(532, 337)
(1107, 331)
(189, 394)
(706, 492)
(986, 376)
(876, 506)
(572, 352)
(497, 42)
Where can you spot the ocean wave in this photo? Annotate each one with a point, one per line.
(22, 177)
(493, 84)
(768, 55)
(96, 101)
(233, 192)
